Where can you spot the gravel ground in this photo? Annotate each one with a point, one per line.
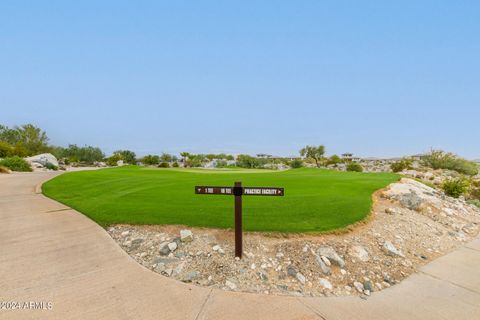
(410, 224)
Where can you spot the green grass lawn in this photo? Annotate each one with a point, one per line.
(315, 200)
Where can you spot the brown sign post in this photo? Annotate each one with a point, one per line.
(238, 191)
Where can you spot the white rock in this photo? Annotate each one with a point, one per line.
(43, 159)
(332, 255)
(172, 246)
(325, 283)
(216, 247)
(326, 261)
(186, 235)
(253, 266)
(301, 278)
(125, 233)
(391, 250)
(343, 271)
(359, 252)
(358, 286)
(231, 285)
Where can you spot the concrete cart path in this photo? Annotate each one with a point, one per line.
(49, 252)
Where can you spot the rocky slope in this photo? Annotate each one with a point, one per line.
(410, 225)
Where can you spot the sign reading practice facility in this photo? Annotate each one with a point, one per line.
(238, 191)
(246, 191)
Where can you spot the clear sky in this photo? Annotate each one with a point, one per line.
(376, 78)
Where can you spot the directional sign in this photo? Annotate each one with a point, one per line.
(262, 191)
(246, 191)
(214, 190)
(238, 191)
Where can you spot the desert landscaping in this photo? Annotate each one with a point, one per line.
(271, 160)
(425, 210)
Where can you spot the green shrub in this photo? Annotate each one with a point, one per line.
(127, 156)
(334, 160)
(294, 164)
(221, 164)
(455, 187)
(4, 169)
(112, 161)
(475, 202)
(151, 160)
(50, 166)
(6, 149)
(164, 165)
(16, 164)
(403, 164)
(438, 159)
(354, 167)
(75, 154)
(474, 192)
(175, 165)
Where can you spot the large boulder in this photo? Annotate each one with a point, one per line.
(43, 159)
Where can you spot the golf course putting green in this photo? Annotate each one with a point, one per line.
(315, 200)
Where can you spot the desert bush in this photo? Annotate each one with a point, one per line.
(247, 161)
(221, 164)
(51, 166)
(438, 159)
(455, 187)
(6, 149)
(112, 161)
(354, 167)
(334, 160)
(4, 169)
(74, 153)
(474, 192)
(294, 164)
(475, 202)
(164, 165)
(16, 163)
(403, 164)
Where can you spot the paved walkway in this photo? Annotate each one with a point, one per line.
(49, 252)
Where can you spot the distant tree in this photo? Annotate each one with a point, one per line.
(151, 160)
(9, 135)
(247, 161)
(184, 156)
(26, 139)
(74, 153)
(113, 159)
(127, 156)
(166, 157)
(6, 149)
(313, 152)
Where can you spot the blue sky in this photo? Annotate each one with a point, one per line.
(377, 78)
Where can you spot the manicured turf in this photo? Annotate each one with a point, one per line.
(315, 200)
